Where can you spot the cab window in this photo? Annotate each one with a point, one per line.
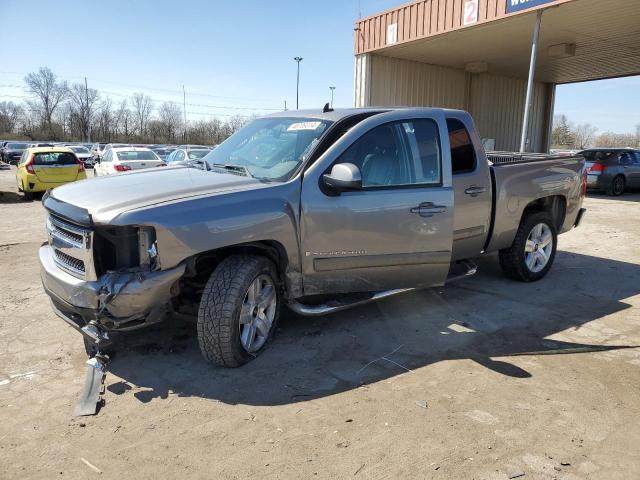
(463, 155)
(397, 154)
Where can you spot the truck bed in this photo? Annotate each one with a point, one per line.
(520, 178)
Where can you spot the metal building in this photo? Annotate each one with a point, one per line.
(476, 55)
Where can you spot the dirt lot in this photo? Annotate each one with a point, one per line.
(540, 380)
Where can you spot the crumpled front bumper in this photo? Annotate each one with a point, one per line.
(117, 301)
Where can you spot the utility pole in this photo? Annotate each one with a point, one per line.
(298, 60)
(285, 105)
(332, 90)
(87, 113)
(184, 114)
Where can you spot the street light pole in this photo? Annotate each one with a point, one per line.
(332, 90)
(298, 60)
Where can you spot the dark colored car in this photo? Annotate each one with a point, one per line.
(612, 170)
(12, 152)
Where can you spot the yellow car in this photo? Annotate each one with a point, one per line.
(43, 168)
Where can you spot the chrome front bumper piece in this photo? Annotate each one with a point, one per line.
(116, 301)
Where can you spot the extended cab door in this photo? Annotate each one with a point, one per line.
(472, 186)
(394, 232)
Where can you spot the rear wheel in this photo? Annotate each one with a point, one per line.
(616, 188)
(26, 195)
(533, 251)
(238, 310)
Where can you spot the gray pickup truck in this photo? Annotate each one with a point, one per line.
(315, 210)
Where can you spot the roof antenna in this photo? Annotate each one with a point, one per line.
(327, 108)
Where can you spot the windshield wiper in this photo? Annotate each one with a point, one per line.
(235, 169)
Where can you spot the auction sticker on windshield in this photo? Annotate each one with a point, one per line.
(303, 126)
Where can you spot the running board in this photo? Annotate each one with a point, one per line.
(333, 306)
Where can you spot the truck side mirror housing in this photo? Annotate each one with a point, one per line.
(343, 177)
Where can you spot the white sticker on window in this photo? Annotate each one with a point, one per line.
(303, 126)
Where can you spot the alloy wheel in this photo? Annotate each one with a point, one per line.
(538, 248)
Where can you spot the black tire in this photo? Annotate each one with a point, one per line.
(513, 259)
(27, 196)
(617, 186)
(220, 305)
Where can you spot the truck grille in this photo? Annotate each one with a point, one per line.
(72, 247)
(70, 262)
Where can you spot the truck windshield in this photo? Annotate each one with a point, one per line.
(270, 148)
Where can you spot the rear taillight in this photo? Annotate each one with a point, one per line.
(80, 166)
(597, 168)
(29, 165)
(122, 168)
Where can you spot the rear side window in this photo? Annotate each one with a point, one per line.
(136, 155)
(463, 155)
(54, 158)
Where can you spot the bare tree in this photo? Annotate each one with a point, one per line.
(48, 92)
(11, 115)
(106, 120)
(123, 120)
(142, 108)
(170, 120)
(584, 135)
(83, 101)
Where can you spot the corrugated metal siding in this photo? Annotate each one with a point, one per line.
(361, 81)
(497, 106)
(424, 18)
(495, 102)
(399, 82)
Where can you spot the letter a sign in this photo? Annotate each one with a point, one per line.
(470, 12)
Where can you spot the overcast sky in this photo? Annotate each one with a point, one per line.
(233, 57)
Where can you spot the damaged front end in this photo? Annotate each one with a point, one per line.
(103, 279)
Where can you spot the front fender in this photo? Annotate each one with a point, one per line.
(188, 227)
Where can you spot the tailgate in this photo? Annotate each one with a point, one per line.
(56, 173)
(55, 167)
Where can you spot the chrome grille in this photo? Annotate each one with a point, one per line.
(70, 262)
(72, 247)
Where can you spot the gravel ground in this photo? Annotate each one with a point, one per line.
(484, 379)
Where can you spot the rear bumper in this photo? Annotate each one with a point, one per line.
(31, 183)
(116, 302)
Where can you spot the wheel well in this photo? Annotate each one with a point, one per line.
(201, 266)
(555, 205)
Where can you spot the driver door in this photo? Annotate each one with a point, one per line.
(397, 230)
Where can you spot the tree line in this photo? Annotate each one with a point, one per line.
(58, 111)
(566, 134)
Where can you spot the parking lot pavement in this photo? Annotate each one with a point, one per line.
(484, 379)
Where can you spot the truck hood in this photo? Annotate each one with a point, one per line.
(106, 197)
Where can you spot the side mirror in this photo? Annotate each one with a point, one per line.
(343, 177)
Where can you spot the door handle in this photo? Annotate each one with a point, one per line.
(474, 190)
(428, 209)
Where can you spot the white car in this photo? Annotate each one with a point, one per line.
(83, 154)
(124, 159)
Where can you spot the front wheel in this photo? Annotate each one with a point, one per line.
(533, 251)
(238, 310)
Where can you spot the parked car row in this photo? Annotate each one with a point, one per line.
(91, 153)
